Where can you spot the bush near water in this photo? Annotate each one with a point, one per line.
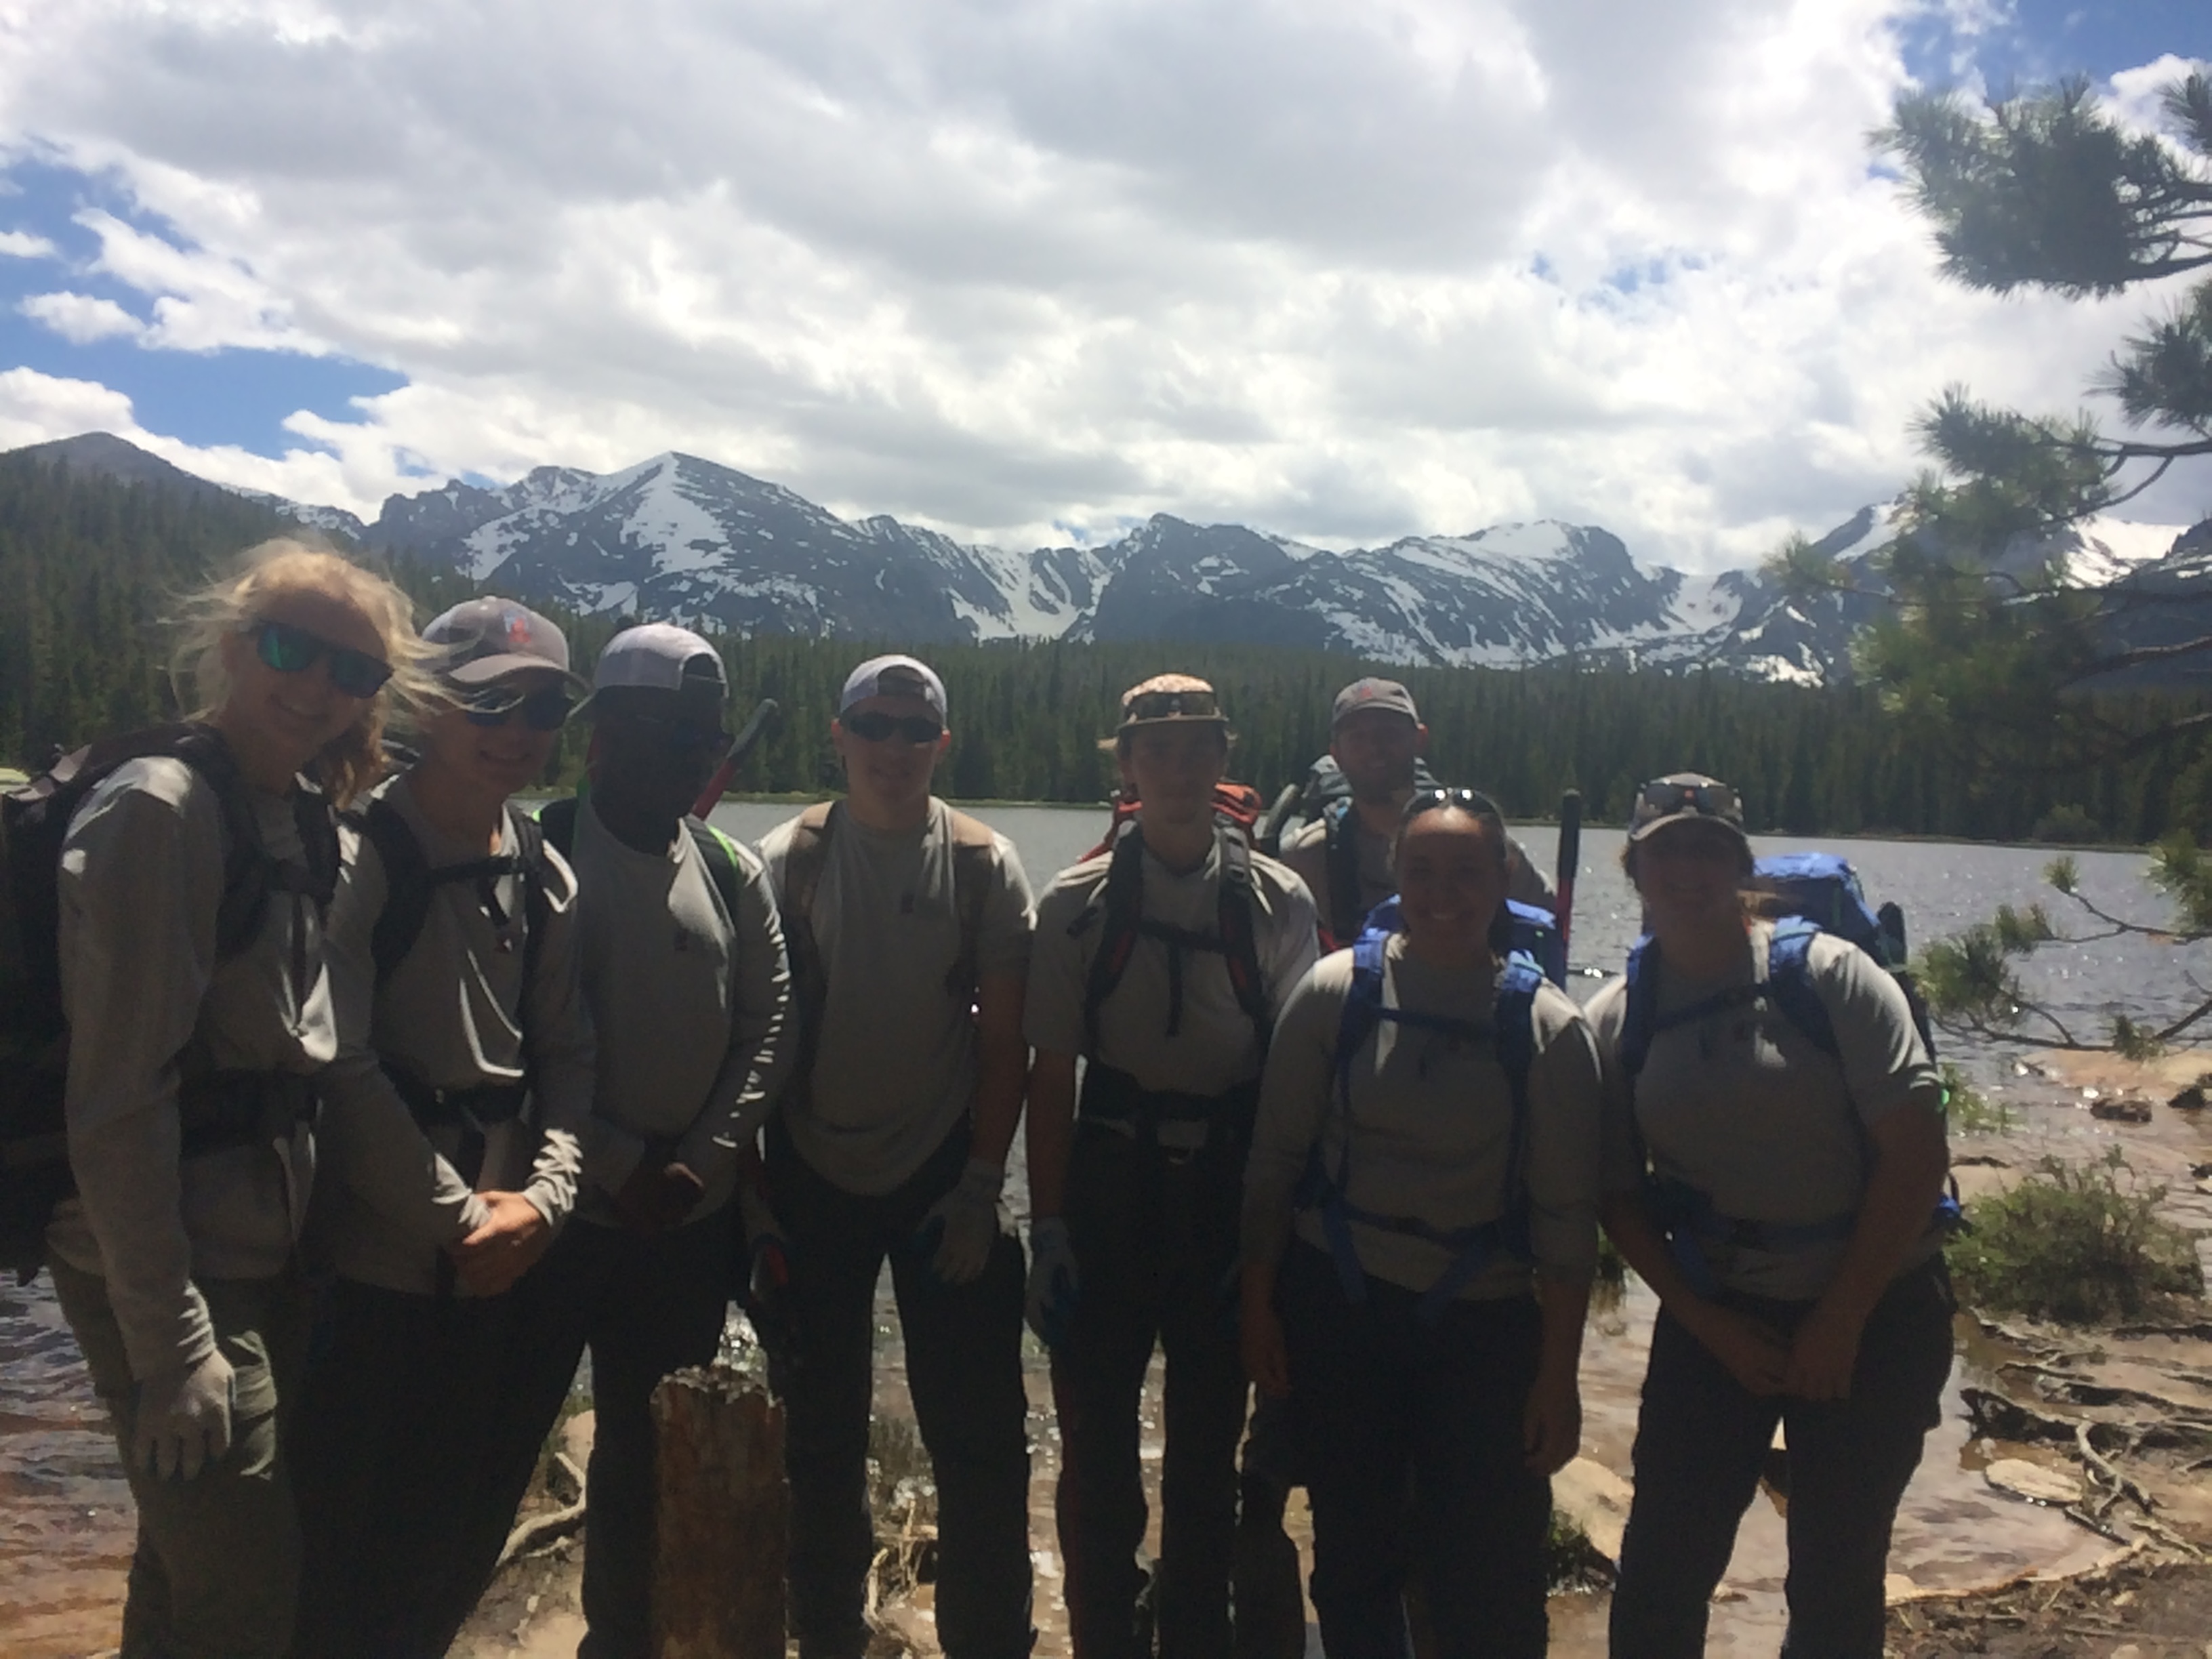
(2081, 1244)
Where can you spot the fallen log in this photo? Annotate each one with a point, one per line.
(722, 1520)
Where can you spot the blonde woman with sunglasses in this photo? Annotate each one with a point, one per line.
(455, 1112)
(192, 887)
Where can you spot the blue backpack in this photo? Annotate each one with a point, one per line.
(1816, 893)
(1512, 1031)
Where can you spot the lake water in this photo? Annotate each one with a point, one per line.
(65, 1527)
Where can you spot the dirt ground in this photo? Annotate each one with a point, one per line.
(2132, 1611)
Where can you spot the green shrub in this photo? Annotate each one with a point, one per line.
(2067, 824)
(2075, 1244)
(1571, 1562)
(1967, 1110)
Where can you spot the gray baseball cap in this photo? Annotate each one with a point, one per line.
(894, 677)
(480, 640)
(658, 657)
(1373, 693)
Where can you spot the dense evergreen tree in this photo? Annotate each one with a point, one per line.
(86, 565)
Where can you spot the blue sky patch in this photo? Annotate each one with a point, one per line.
(2033, 42)
(231, 395)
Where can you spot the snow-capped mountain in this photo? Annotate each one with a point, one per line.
(682, 538)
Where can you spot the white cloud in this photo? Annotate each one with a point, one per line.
(1339, 272)
(23, 244)
(80, 317)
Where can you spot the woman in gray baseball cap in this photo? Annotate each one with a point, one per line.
(453, 1129)
(1774, 1153)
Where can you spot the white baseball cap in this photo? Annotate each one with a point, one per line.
(894, 677)
(658, 656)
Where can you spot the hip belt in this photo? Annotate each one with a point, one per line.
(1114, 1098)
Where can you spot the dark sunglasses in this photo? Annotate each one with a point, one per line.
(1171, 705)
(541, 711)
(1466, 800)
(1712, 801)
(290, 650)
(681, 736)
(876, 727)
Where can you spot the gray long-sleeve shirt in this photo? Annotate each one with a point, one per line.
(450, 1015)
(1430, 1123)
(692, 1005)
(141, 881)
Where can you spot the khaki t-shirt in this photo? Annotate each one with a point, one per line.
(1431, 1125)
(1214, 1048)
(451, 1016)
(895, 1065)
(1307, 852)
(140, 885)
(691, 1005)
(1745, 1107)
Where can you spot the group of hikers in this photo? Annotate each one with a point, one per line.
(387, 1100)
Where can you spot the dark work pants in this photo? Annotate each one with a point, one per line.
(963, 1358)
(1155, 1243)
(1702, 1440)
(646, 1305)
(218, 1564)
(410, 1463)
(1411, 1435)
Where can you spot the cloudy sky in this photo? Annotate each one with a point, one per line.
(1030, 269)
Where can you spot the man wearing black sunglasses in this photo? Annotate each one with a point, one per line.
(909, 929)
(684, 972)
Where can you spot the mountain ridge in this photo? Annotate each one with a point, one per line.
(677, 536)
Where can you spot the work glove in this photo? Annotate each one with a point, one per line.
(963, 1225)
(766, 1298)
(1050, 1302)
(182, 1423)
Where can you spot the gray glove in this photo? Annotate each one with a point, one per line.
(1050, 1302)
(963, 1225)
(182, 1423)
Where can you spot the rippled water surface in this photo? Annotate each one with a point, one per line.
(65, 1514)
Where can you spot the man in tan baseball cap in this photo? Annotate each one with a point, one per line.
(1163, 961)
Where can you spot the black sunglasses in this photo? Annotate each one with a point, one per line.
(1712, 801)
(290, 650)
(682, 736)
(541, 711)
(1466, 800)
(876, 727)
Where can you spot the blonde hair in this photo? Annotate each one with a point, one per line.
(353, 760)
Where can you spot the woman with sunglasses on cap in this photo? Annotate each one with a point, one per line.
(1419, 1234)
(452, 1127)
(1775, 1185)
(192, 886)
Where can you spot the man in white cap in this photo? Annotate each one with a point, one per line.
(683, 970)
(909, 929)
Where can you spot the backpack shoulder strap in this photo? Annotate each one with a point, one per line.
(1121, 902)
(1513, 1022)
(557, 819)
(804, 858)
(718, 856)
(407, 886)
(1640, 1012)
(1790, 981)
(1345, 913)
(974, 856)
(536, 876)
(1237, 908)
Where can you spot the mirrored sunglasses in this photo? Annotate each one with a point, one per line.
(290, 650)
(541, 711)
(1659, 798)
(1466, 800)
(876, 727)
(1172, 705)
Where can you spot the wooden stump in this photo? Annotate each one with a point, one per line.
(723, 1518)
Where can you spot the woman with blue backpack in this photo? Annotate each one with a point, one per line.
(1775, 1169)
(1420, 1233)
